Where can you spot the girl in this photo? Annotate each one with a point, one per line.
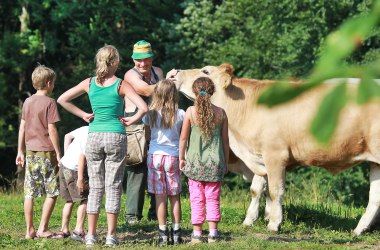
(206, 157)
(164, 178)
(106, 143)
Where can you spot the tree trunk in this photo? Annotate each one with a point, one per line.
(24, 19)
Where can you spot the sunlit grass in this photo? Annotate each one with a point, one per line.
(312, 220)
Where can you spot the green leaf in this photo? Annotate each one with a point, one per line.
(326, 120)
(344, 41)
(367, 90)
(281, 92)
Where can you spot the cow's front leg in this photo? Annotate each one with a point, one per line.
(276, 184)
(373, 203)
(258, 185)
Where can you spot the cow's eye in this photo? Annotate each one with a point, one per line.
(205, 71)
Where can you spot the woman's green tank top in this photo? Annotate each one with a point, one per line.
(108, 106)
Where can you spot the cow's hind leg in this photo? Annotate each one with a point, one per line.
(373, 203)
(258, 185)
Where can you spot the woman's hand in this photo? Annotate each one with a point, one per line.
(88, 117)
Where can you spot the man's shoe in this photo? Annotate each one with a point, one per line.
(163, 237)
(176, 236)
(132, 220)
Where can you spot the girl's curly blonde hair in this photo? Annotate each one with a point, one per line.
(204, 88)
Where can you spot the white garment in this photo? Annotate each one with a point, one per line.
(165, 141)
(76, 147)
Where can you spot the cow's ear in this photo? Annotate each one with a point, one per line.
(227, 72)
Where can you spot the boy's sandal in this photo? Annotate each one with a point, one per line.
(77, 236)
(60, 235)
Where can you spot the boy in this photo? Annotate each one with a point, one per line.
(74, 182)
(39, 135)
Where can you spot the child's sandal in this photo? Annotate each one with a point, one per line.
(77, 236)
(60, 235)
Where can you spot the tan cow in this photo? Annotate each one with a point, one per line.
(272, 140)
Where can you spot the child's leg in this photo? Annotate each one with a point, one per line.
(161, 210)
(28, 211)
(47, 210)
(175, 208)
(49, 172)
(81, 216)
(197, 203)
(65, 194)
(66, 214)
(212, 193)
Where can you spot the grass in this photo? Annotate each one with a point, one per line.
(311, 221)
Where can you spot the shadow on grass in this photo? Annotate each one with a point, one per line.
(319, 217)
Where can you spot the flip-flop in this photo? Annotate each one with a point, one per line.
(49, 236)
(31, 238)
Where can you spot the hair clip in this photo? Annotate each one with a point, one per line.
(202, 92)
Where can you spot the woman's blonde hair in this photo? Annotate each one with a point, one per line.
(41, 76)
(204, 88)
(165, 101)
(105, 58)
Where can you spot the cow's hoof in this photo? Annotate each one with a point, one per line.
(247, 222)
(272, 227)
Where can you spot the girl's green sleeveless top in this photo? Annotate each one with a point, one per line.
(205, 157)
(108, 106)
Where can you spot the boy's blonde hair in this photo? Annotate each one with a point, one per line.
(41, 76)
(105, 58)
(165, 101)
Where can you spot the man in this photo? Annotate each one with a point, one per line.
(143, 77)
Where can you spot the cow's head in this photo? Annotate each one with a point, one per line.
(220, 75)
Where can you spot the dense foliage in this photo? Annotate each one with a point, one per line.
(262, 39)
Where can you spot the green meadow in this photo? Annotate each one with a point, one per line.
(320, 212)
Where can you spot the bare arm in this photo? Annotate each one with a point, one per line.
(20, 158)
(65, 100)
(68, 139)
(225, 140)
(53, 135)
(126, 90)
(81, 166)
(140, 87)
(185, 132)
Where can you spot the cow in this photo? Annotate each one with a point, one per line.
(270, 141)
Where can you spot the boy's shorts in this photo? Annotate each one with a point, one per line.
(68, 185)
(41, 174)
(164, 176)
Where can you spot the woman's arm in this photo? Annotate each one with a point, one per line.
(126, 90)
(65, 100)
(185, 132)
